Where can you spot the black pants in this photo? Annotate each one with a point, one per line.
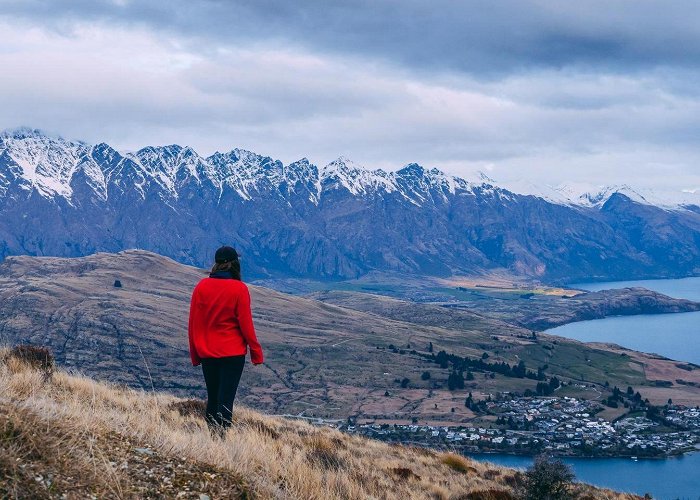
(221, 376)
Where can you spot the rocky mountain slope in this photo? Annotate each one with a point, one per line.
(67, 198)
(63, 436)
(322, 360)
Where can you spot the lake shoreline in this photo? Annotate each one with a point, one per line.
(664, 479)
(594, 282)
(633, 458)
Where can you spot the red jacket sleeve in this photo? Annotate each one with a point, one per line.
(245, 321)
(190, 329)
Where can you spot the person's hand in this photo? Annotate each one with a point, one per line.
(258, 363)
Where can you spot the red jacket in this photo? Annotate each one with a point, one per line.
(221, 323)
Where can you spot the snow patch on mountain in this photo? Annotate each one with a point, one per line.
(245, 172)
(344, 173)
(46, 164)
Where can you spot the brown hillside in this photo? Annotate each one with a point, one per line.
(322, 360)
(64, 436)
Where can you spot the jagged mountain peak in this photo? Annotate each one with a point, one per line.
(301, 161)
(421, 184)
(41, 162)
(433, 176)
(301, 170)
(24, 133)
(600, 197)
(342, 164)
(167, 157)
(483, 177)
(36, 136)
(412, 169)
(344, 173)
(242, 157)
(245, 172)
(102, 146)
(170, 166)
(168, 151)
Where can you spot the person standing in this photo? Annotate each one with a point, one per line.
(220, 332)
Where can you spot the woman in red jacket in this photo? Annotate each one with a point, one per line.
(221, 330)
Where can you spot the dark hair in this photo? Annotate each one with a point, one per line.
(232, 266)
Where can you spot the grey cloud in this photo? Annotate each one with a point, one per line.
(289, 87)
(481, 37)
(565, 98)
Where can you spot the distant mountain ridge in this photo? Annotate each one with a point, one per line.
(68, 198)
(591, 195)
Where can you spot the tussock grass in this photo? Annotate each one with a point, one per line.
(459, 463)
(189, 408)
(38, 357)
(488, 495)
(72, 435)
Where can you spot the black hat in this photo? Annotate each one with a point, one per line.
(225, 254)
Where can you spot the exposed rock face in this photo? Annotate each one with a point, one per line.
(66, 198)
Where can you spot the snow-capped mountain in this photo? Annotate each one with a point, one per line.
(39, 162)
(49, 165)
(591, 195)
(62, 197)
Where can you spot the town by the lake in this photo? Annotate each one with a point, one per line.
(561, 426)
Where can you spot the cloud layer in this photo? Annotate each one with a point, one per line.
(593, 91)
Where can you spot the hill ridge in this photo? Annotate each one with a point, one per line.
(324, 360)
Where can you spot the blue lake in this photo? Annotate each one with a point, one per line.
(676, 336)
(672, 478)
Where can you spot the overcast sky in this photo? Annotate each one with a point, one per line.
(548, 91)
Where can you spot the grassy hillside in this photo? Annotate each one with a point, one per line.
(66, 436)
(321, 359)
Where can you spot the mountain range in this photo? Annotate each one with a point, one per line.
(68, 198)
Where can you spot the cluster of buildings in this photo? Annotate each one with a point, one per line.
(562, 426)
(688, 418)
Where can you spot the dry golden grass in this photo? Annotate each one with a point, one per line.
(74, 436)
(457, 462)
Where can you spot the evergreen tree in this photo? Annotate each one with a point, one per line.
(442, 359)
(469, 402)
